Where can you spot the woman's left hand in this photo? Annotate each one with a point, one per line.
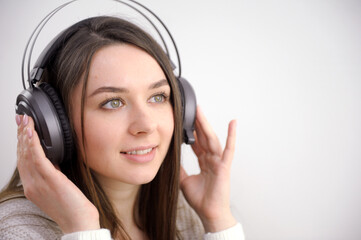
(209, 191)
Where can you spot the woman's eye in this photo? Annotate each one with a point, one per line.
(157, 98)
(113, 104)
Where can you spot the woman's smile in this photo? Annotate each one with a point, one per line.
(141, 155)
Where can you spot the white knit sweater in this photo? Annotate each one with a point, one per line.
(21, 219)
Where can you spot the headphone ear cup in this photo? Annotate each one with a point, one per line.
(189, 108)
(63, 119)
(51, 123)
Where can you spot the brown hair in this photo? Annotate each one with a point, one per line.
(156, 213)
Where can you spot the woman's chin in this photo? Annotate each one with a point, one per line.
(141, 179)
(129, 177)
(135, 178)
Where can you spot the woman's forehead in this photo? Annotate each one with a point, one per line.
(123, 65)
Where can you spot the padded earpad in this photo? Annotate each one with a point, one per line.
(64, 121)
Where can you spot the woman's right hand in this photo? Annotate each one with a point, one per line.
(47, 187)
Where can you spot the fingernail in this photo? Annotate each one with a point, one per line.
(17, 119)
(25, 119)
(29, 132)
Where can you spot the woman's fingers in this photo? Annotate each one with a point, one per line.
(197, 149)
(22, 149)
(32, 162)
(228, 152)
(207, 138)
(207, 146)
(200, 153)
(42, 164)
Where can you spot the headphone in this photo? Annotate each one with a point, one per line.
(43, 104)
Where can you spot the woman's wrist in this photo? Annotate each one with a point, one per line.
(86, 222)
(87, 226)
(219, 224)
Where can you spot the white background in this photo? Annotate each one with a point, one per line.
(289, 71)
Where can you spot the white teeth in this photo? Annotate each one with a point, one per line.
(141, 152)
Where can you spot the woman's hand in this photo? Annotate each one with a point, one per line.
(209, 191)
(49, 188)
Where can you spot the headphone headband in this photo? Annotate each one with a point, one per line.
(37, 71)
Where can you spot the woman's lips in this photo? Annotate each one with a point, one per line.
(141, 155)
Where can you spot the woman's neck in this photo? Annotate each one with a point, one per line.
(123, 197)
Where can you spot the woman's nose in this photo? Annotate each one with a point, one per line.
(142, 121)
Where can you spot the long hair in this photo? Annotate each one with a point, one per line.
(156, 204)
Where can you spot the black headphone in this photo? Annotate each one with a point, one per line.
(44, 105)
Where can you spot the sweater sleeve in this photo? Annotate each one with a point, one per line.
(21, 219)
(100, 234)
(233, 233)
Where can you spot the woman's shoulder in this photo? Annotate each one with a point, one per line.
(21, 219)
(188, 222)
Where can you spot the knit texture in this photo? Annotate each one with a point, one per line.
(21, 219)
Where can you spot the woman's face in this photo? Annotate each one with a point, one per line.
(128, 117)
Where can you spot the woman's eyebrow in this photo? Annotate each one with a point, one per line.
(109, 89)
(158, 84)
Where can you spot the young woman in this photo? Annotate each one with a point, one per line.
(125, 180)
